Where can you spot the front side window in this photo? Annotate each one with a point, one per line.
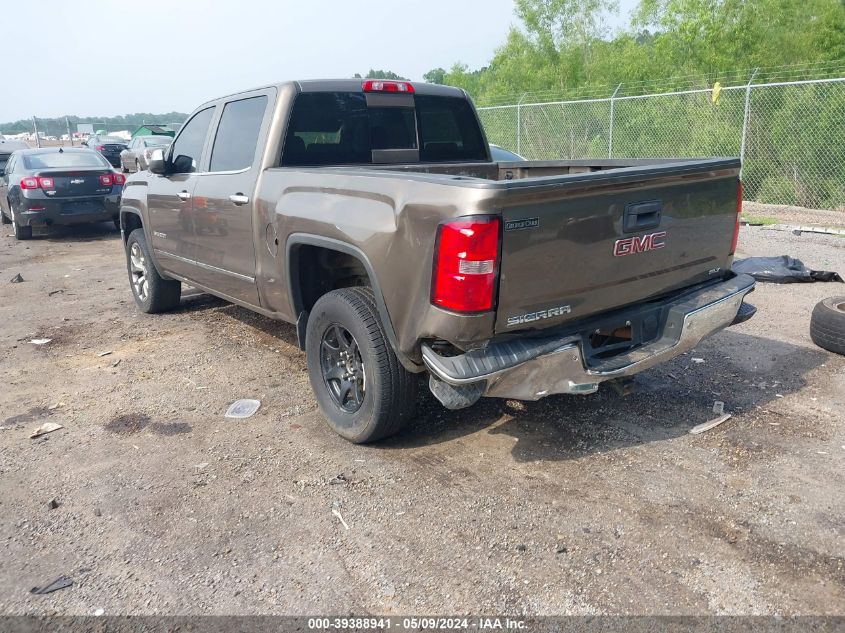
(187, 149)
(237, 134)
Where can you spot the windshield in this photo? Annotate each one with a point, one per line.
(501, 154)
(64, 159)
(162, 141)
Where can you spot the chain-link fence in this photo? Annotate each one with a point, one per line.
(790, 135)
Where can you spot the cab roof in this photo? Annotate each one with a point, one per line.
(347, 85)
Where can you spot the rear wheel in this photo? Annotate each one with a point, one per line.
(21, 232)
(361, 388)
(152, 292)
(5, 219)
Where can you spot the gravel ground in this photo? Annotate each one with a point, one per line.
(577, 505)
(799, 216)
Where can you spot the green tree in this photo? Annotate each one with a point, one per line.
(384, 74)
(435, 76)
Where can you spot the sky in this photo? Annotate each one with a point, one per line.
(112, 57)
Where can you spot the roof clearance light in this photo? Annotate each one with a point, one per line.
(388, 86)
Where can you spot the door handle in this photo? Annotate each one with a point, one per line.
(184, 195)
(239, 199)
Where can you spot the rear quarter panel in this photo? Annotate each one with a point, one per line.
(392, 220)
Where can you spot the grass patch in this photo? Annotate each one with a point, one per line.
(759, 219)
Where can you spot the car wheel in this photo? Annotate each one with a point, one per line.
(152, 292)
(361, 388)
(21, 232)
(116, 223)
(827, 324)
(5, 219)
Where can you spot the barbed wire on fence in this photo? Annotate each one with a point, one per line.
(790, 134)
(736, 78)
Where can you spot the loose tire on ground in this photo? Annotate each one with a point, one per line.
(827, 324)
(383, 401)
(152, 292)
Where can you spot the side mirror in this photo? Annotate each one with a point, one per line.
(156, 163)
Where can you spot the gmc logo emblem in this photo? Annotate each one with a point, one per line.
(639, 244)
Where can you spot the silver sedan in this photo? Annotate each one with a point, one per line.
(135, 157)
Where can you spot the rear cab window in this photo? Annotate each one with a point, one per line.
(58, 160)
(348, 128)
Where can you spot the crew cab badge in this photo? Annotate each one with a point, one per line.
(519, 225)
(639, 244)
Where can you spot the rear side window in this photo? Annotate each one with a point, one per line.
(237, 134)
(187, 149)
(4, 159)
(64, 159)
(338, 128)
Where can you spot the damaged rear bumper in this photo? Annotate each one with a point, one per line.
(532, 368)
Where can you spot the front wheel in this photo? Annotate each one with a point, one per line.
(5, 219)
(361, 388)
(152, 292)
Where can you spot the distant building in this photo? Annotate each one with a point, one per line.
(152, 130)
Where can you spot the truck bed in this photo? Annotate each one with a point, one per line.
(581, 237)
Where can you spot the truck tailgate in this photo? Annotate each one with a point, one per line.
(579, 245)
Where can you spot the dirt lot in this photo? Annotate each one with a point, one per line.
(583, 505)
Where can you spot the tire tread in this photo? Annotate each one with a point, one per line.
(397, 395)
(827, 325)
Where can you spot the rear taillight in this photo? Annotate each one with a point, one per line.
(100, 148)
(118, 179)
(388, 86)
(465, 265)
(106, 180)
(36, 182)
(738, 213)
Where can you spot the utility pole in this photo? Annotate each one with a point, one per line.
(69, 135)
(35, 127)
